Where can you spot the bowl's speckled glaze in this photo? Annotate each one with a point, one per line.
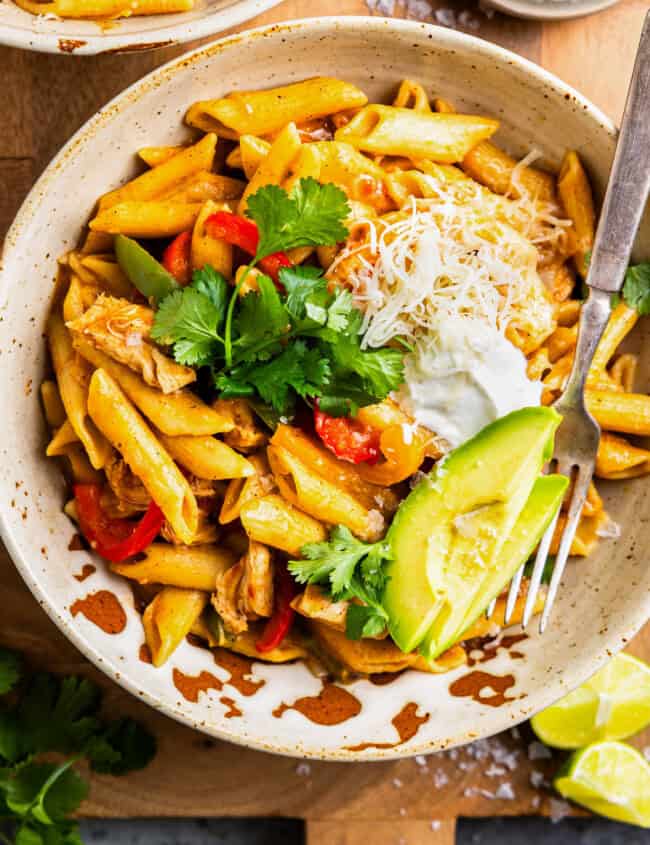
(285, 708)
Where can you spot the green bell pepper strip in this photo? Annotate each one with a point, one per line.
(142, 269)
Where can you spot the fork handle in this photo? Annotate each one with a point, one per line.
(629, 181)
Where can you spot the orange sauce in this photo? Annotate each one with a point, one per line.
(86, 571)
(233, 711)
(240, 669)
(102, 609)
(191, 686)
(475, 683)
(331, 706)
(407, 723)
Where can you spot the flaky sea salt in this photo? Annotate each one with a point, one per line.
(435, 825)
(537, 780)
(538, 751)
(303, 770)
(445, 17)
(440, 778)
(559, 810)
(397, 783)
(505, 792)
(421, 760)
(494, 771)
(419, 10)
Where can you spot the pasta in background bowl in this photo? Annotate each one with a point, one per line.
(32, 26)
(287, 708)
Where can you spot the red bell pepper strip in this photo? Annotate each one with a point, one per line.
(349, 439)
(279, 625)
(114, 539)
(177, 258)
(243, 233)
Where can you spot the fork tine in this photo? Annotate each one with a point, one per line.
(538, 570)
(513, 593)
(580, 488)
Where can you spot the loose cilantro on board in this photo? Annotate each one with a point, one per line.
(349, 569)
(273, 346)
(44, 714)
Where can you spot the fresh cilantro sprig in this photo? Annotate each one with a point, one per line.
(636, 288)
(349, 569)
(303, 343)
(46, 714)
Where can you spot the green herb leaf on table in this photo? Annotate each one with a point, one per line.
(636, 288)
(10, 670)
(123, 746)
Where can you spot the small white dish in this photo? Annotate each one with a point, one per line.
(548, 10)
(50, 34)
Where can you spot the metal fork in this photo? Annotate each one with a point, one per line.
(577, 438)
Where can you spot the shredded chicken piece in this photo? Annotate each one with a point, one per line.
(314, 603)
(247, 434)
(121, 329)
(206, 532)
(130, 493)
(245, 591)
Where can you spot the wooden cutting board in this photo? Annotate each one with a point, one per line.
(45, 99)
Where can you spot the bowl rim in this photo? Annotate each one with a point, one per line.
(168, 35)
(511, 715)
(537, 11)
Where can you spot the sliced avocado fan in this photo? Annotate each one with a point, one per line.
(464, 530)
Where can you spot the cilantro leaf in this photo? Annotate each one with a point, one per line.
(190, 320)
(33, 833)
(124, 746)
(636, 288)
(10, 670)
(363, 621)
(213, 285)
(311, 215)
(261, 321)
(46, 791)
(304, 286)
(381, 369)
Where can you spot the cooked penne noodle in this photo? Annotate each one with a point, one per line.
(189, 567)
(264, 112)
(80, 467)
(207, 457)
(127, 431)
(64, 436)
(242, 490)
(249, 154)
(78, 297)
(214, 252)
(501, 173)
(155, 219)
(153, 156)
(621, 322)
(169, 618)
(325, 500)
(109, 274)
(274, 167)
(204, 186)
(623, 371)
(175, 414)
(618, 458)
(73, 375)
(387, 130)
(273, 521)
(575, 192)
(411, 95)
(155, 183)
(618, 411)
(53, 408)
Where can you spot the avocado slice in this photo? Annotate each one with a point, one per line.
(470, 502)
(535, 517)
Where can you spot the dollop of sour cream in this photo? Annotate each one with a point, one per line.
(464, 375)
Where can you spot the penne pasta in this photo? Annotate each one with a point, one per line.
(617, 458)
(174, 414)
(249, 154)
(207, 457)
(153, 156)
(139, 219)
(109, 274)
(169, 618)
(411, 95)
(273, 521)
(188, 567)
(205, 249)
(73, 375)
(265, 112)
(621, 322)
(53, 408)
(616, 411)
(126, 430)
(64, 436)
(242, 490)
(204, 186)
(387, 130)
(274, 167)
(575, 193)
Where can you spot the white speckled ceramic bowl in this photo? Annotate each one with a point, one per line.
(549, 10)
(49, 34)
(604, 600)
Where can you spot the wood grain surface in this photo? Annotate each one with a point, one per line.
(45, 98)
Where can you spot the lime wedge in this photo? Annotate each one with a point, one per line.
(613, 704)
(611, 779)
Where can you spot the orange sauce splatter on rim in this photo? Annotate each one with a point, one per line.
(407, 723)
(233, 711)
(144, 653)
(239, 669)
(102, 609)
(331, 706)
(191, 686)
(476, 683)
(86, 571)
(491, 650)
